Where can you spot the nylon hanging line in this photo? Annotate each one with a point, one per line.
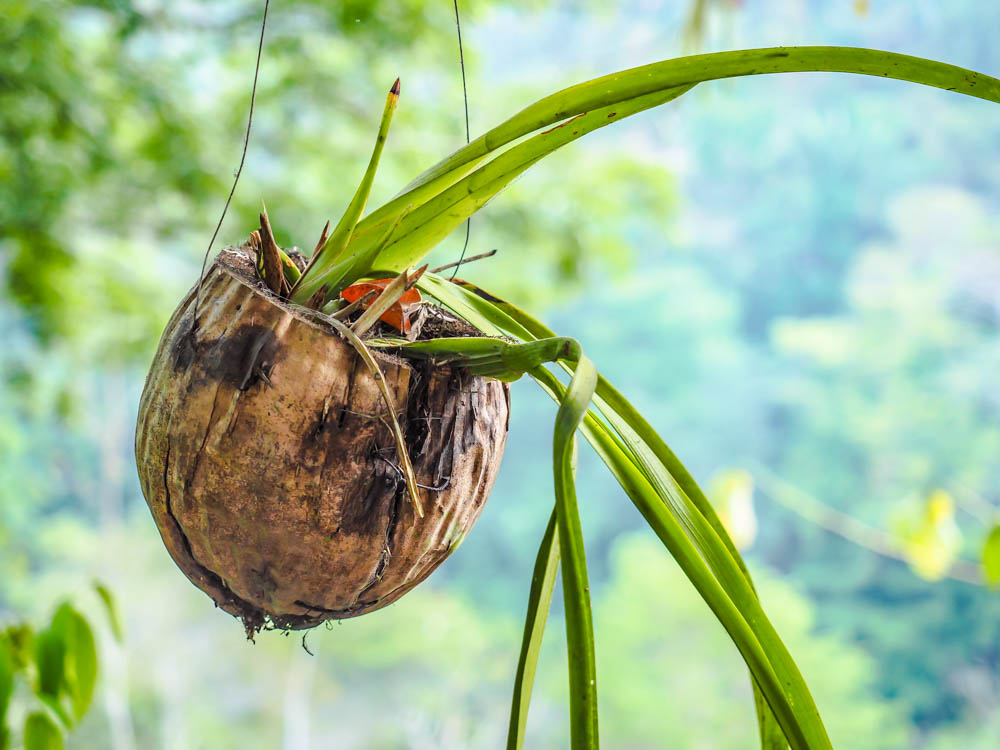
(465, 98)
(239, 169)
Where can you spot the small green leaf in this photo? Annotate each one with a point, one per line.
(991, 557)
(80, 664)
(19, 640)
(50, 659)
(114, 619)
(41, 733)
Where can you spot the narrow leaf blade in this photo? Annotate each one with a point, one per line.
(543, 581)
(573, 406)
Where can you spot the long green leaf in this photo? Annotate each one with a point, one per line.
(771, 735)
(637, 486)
(497, 317)
(543, 581)
(573, 406)
(677, 488)
(336, 244)
(435, 219)
(669, 472)
(617, 89)
(694, 69)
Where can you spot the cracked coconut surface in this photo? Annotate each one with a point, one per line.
(266, 458)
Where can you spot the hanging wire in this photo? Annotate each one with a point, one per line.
(465, 98)
(239, 170)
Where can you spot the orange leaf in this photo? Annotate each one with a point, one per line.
(396, 316)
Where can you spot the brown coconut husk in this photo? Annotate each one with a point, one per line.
(266, 458)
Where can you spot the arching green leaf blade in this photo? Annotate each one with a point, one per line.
(683, 528)
(446, 194)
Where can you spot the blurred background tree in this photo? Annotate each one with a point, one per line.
(814, 290)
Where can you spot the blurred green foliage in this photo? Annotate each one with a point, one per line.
(57, 667)
(814, 288)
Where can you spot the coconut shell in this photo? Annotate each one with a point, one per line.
(265, 455)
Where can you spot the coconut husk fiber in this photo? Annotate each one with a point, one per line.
(265, 455)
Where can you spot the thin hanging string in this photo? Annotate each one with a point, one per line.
(465, 98)
(239, 170)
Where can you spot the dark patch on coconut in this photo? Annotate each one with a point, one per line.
(241, 359)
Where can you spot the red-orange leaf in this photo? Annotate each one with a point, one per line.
(396, 316)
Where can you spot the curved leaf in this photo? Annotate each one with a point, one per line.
(446, 194)
(573, 405)
(692, 534)
(435, 218)
(694, 69)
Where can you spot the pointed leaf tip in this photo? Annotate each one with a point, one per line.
(395, 88)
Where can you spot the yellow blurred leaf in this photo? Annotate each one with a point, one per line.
(928, 536)
(731, 492)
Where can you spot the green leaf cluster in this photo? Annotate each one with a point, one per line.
(59, 665)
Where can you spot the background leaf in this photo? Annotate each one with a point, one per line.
(111, 608)
(6, 682)
(991, 556)
(80, 667)
(50, 660)
(40, 733)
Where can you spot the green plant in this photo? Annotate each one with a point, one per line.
(399, 234)
(59, 664)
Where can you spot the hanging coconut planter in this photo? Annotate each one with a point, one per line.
(300, 471)
(266, 455)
